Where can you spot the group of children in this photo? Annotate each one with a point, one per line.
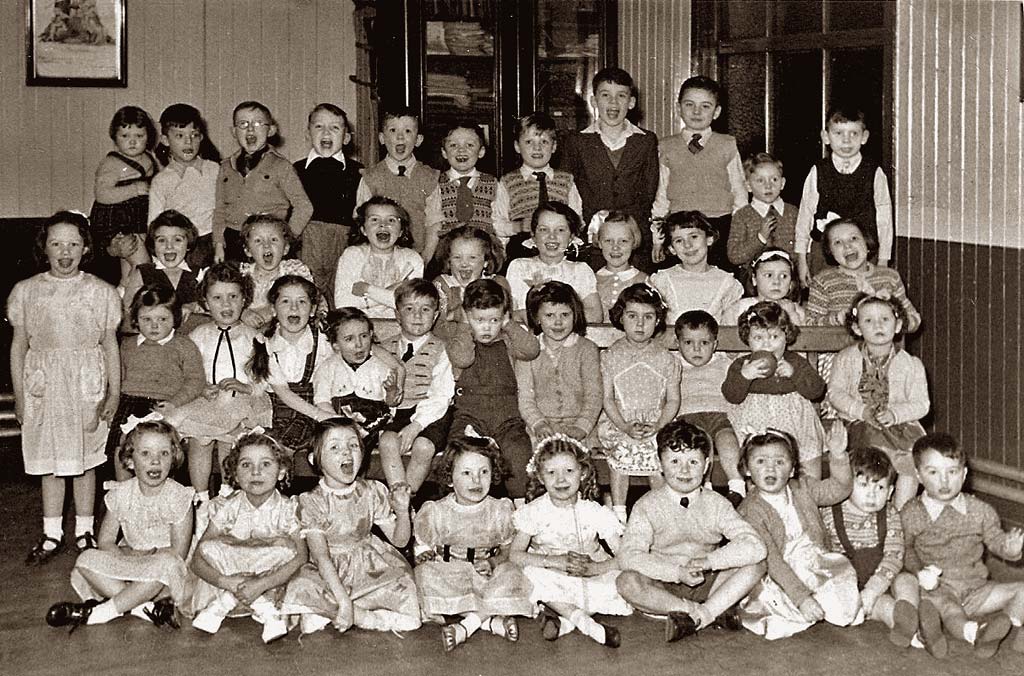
(235, 348)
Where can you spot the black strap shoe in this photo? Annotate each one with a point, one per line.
(85, 541)
(729, 620)
(39, 554)
(162, 614)
(679, 625)
(67, 614)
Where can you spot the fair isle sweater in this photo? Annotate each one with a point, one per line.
(832, 292)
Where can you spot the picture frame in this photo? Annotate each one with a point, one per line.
(76, 43)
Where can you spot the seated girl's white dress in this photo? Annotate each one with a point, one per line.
(456, 586)
(555, 531)
(246, 545)
(372, 571)
(770, 612)
(146, 523)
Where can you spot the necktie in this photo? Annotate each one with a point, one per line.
(542, 186)
(684, 502)
(464, 201)
(694, 144)
(408, 353)
(773, 213)
(225, 337)
(401, 170)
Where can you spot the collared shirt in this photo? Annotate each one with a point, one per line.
(190, 189)
(339, 156)
(762, 207)
(160, 266)
(737, 181)
(140, 339)
(434, 213)
(546, 347)
(363, 192)
(934, 507)
(442, 384)
(613, 144)
(503, 226)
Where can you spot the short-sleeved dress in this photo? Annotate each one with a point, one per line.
(555, 531)
(64, 376)
(146, 523)
(524, 273)
(449, 584)
(262, 280)
(611, 284)
(641, 377)
(235, 517)
(372, 571)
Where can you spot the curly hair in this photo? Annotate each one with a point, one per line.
(494, 253)
(266, 219)
(559, 209)
(870, 239)
(162, 427)
(558, 293)
(282, 456)
(461, 445)
(645, 295)
(323, 428)
(862, 299)
(873, 463)
(356, 235)
(767, 438)
(171, 219)
(767, 315)
(680, 435)
(133, 116)
(228, 273)
(681, 220)
(485, 294)
(72, 218)
(553, 446)
(155, 295)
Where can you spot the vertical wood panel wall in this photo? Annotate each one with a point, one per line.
(958, 181)
(289, 54)
(654, 46)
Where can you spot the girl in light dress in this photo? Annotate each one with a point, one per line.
(66, 375)
(267, 240)
(353, 577)
(465, 255)
(143, 572)
(641, 391)
(378, 258)
(251, 546)
(805, 582)
(558, 543)
(617, 235)
(774, 387)
(462, 547)
(554, 227)
(774, 280)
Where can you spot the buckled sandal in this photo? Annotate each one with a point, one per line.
(39, 554)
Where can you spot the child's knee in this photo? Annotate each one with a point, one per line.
(631, 584)
(423, 450)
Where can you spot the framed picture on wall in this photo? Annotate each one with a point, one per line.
(76, 43)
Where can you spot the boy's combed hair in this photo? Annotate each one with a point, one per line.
(760, 159)
(844, 112)
(72, 218)
(863, 299)
(485, 294)
(558, 445)
(614, 75)
(555, 292)
(645, 295)
(161, 427)
(133, 116)
(767, 315)
(701, 82)
(154, 295)
(328, 108)
(267, 219)
(336, 318)
(181, 115)
(560, 208)
(281, 455)
(356, 235)
(694, 320)
(468, 125)
(680, 220)
(943, 444)
(259, 363)
(395, 112)
(228, 273)
(766, 438)
(538, 121)
(681, 436)
(873, 463)
(272, 139)
(171, 219)
(417, 288)
(461, 445)
(870, 238)
(494, 253)
(322, 429)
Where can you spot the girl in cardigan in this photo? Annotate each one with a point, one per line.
(560, 391)
(805, 584)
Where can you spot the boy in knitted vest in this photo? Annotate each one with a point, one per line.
(399, 175)
(946, 532)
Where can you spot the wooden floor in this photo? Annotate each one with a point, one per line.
(132, 646)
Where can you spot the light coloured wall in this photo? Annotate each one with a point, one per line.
(289, 54)
(959, 125)
(654, 46)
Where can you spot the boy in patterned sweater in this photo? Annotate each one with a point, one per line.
(947, 532)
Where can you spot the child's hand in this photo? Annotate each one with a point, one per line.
(107, 408)
(253, 318)
(837, 318)
(578, 565)
(576, 432)
(483, 567)
(423, 557)
(638, 430)
(784, 369)
(250, 590)
(234, 385)
(811, 610)
(401, 495)
(392, 392)
(689, 575)
(928, 577)
(557, 562)
(868, 598)
(231, 582)
(407, 435)
(767, 228)
(543, 430)
(886, 418)
(218, 253)
(210, 392)
(360, 288)
(836, 438)
(1015, 541)
(754, 369)
(803, 270)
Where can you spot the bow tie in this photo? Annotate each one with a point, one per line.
(684, 502)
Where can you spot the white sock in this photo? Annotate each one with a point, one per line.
(83, 525)
(1016, 621)
(916, 641)
(310, 623)
(140, 611)
(564, 626)
(588, 625)
(971, 632)
(620, 512)
(203, 496)
(738, 486)
(53, 527)
(263, 609)
(472, 622)
(103, 613)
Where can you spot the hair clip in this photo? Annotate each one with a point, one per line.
(531, 466)
(773, 253)
(134, 422)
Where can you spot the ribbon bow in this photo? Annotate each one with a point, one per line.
(134, 422)
(531, 466)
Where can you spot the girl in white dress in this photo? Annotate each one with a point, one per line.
(558, 543)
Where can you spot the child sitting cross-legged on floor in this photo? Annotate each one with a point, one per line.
(672, 539)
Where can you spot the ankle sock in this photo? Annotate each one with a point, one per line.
(620, 512)
(971, 631)
(53, 527)
(103, 613)
(203, 496)
(588, 625)
(83, 525)
(140, 611)
(472, 622)
(738, 486)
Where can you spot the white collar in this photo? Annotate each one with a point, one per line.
(180, 167)
(569, 341)
(455, 176)
(935, 507)
(705, 134)
(416, 343)
(140, 339)
(620, 276)
(618, 142)
(340, 156)
(160, 266)
(344, 490)
(676, 495)
(846, 166)
(278, 342)
(393, 165)
(762, 207)
(528, 172)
